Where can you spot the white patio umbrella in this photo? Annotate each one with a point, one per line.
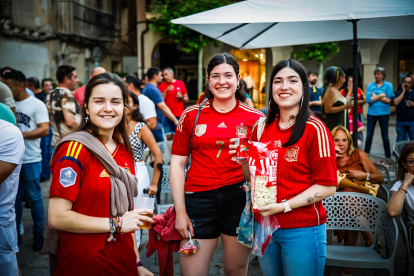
(270, 23)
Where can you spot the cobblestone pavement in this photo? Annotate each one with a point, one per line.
(36, 264)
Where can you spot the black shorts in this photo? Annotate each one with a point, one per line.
(216, 211)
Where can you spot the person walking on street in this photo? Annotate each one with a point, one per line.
(404, 102)
(306, 174)
(175, 96)
(64, 110)
(11, 158)
(378, 96)
(34, 124)
(154, 94)
(210, 200)
(315, 100)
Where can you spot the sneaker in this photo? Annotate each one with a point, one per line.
(21, 232)
(38, 242)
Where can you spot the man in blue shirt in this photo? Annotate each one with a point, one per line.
(314, 92)
(378, 96)
(154, 94)
(404, 102)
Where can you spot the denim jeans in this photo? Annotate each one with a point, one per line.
(295, 252)
(30, 179)
(8, 249)
(158, 135)
(383, 122)
(45, 145)
(405, 131)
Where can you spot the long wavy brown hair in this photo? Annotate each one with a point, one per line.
(120, 130)
(407, 150)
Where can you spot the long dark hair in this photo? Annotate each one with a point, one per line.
(304, 112)
(230, 60)
(120, 130)
(407, 149)
(331, 76)
(136, 114)
(345, 87)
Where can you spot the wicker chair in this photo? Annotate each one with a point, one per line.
(397, 148)
(344, 212)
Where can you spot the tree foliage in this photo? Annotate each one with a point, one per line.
(319, 51)
(167, 10)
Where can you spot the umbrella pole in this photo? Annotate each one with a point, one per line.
(355, 52)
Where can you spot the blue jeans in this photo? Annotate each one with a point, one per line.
(30, 179)
(158, 135)
(405, 131)
(45, 145)
(383, 122)
(295, 252)
(8, 249)
(169, 126)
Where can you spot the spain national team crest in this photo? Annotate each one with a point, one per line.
(291, 154)
(200, 130)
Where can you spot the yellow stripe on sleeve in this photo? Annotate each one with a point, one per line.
(74, 148)
(78, 151)
(70, 146)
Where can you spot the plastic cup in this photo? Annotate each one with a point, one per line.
(144, 203)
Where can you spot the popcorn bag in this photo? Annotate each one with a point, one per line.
(263, 159)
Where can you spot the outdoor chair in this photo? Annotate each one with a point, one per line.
(385, 172)
(383, 193)
(397, 148)
(165, 148)
(360, 212)
(389, 163)
(410, 251)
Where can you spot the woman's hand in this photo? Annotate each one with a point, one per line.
(183, 224)
(338, 152)
(358, 175)
(134, 219)
(233, 151)
(152, 190)
(408, 179)
(271, 209)
(349, 104)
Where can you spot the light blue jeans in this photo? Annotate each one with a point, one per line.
(295, 252)
(8, 249)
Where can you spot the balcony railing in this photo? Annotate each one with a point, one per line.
(5, 9)
(75, 19)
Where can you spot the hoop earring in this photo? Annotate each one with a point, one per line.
(208, 87)
(238, 87)
(301, 102)
(269, 105)
(87, 118)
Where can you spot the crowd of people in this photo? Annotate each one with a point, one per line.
(90, 143)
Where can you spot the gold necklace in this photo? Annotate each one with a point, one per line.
(224, 110)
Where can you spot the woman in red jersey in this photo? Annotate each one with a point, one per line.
(306, 174)
(210, 202)
(80, 194)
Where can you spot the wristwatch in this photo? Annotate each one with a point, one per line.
(287, 207)
(367, 176)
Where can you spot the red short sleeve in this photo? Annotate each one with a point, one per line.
(322, 155)
(183, 88)
(68, 167)
(181, 143)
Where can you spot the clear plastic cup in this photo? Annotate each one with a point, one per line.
(144, 203)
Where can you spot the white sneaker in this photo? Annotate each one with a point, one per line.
(21, 229)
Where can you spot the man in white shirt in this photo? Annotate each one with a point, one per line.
(33, 122)
(11, 158)
(146, 106)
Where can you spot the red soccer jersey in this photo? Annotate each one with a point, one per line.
(312, 160)
(176, 106)
(78, 176)
(211, 164)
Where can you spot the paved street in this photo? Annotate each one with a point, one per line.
(34, 263)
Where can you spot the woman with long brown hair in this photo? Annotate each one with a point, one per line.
(92, 190)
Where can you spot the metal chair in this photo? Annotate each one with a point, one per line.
(389, 163)
(410, 252)
(359, 212)
(383, 193)
(384, 171)
(165, 148)
(397, 148)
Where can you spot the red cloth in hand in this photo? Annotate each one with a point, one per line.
(164, 238)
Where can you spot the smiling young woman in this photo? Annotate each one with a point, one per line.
(80, 203)
(306, 174)
(210, 202)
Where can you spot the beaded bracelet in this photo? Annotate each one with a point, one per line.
(112, 229)
(402, 190)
